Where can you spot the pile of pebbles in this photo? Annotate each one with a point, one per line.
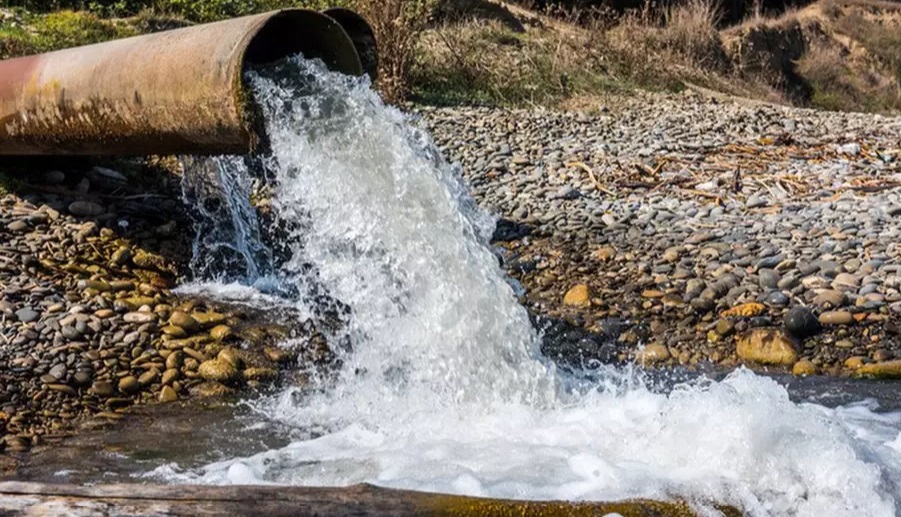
(678, 229)
(88, 323)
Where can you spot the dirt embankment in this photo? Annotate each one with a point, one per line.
(843, 55)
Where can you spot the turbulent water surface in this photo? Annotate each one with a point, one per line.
(442, 386)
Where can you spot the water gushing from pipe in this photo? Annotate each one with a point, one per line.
(443, 387)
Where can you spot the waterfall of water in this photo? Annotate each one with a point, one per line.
(443, 387)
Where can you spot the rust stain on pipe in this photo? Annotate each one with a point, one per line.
(173, 92)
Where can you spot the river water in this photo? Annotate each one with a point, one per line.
(441, 385)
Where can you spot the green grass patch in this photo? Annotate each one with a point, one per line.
(30, 34)
(34, 27)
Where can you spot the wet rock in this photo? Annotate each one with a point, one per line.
(102, 388)
(210, 389)
(804, 367)
(121, 285)
(184, 320)
(725, 327)
(97, 285)
(170, 376)
(167, 394)
(85, 209)
(885, 370)
(63, 388)
(260, 374)
(221, 332)
(149, 377)
(59, 372)
(175, 360)
(174, 331)
(652, 353)
(277, 355)
(767, 346)
(218, 370)
(231, 356)
(209, 319)
(801, 323)
(854, 362)
(703, 304)
(121, 256)
(81, 378)
(777, 299)
(150, 261)
(129, 385)
(136, 302)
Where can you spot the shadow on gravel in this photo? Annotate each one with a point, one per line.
(136, 200)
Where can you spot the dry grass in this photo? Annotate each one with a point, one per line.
(544, 60)
(664, 48)
(690, 31)
(491, 62)
(398, 26)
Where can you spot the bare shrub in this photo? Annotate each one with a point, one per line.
(398, 26)
(690, 31)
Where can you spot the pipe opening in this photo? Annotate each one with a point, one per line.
(362, 37)
(303, 32)
(291, 32)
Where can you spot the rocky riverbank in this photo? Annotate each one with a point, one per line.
(685, 230)
(88, 322)
(667, 230)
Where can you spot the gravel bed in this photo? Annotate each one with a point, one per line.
(677, 229)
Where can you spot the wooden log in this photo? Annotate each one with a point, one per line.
(17, 498)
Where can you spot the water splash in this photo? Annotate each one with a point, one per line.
(444, 389)
(228, 243)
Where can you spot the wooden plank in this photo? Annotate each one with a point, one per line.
(17, 498)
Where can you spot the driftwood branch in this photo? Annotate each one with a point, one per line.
(274, 501)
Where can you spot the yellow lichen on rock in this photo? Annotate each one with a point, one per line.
(745, 310)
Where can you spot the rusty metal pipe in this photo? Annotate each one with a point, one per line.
(173, 92)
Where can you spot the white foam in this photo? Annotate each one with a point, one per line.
(444, 389)
(236, 292)
(740, 441)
